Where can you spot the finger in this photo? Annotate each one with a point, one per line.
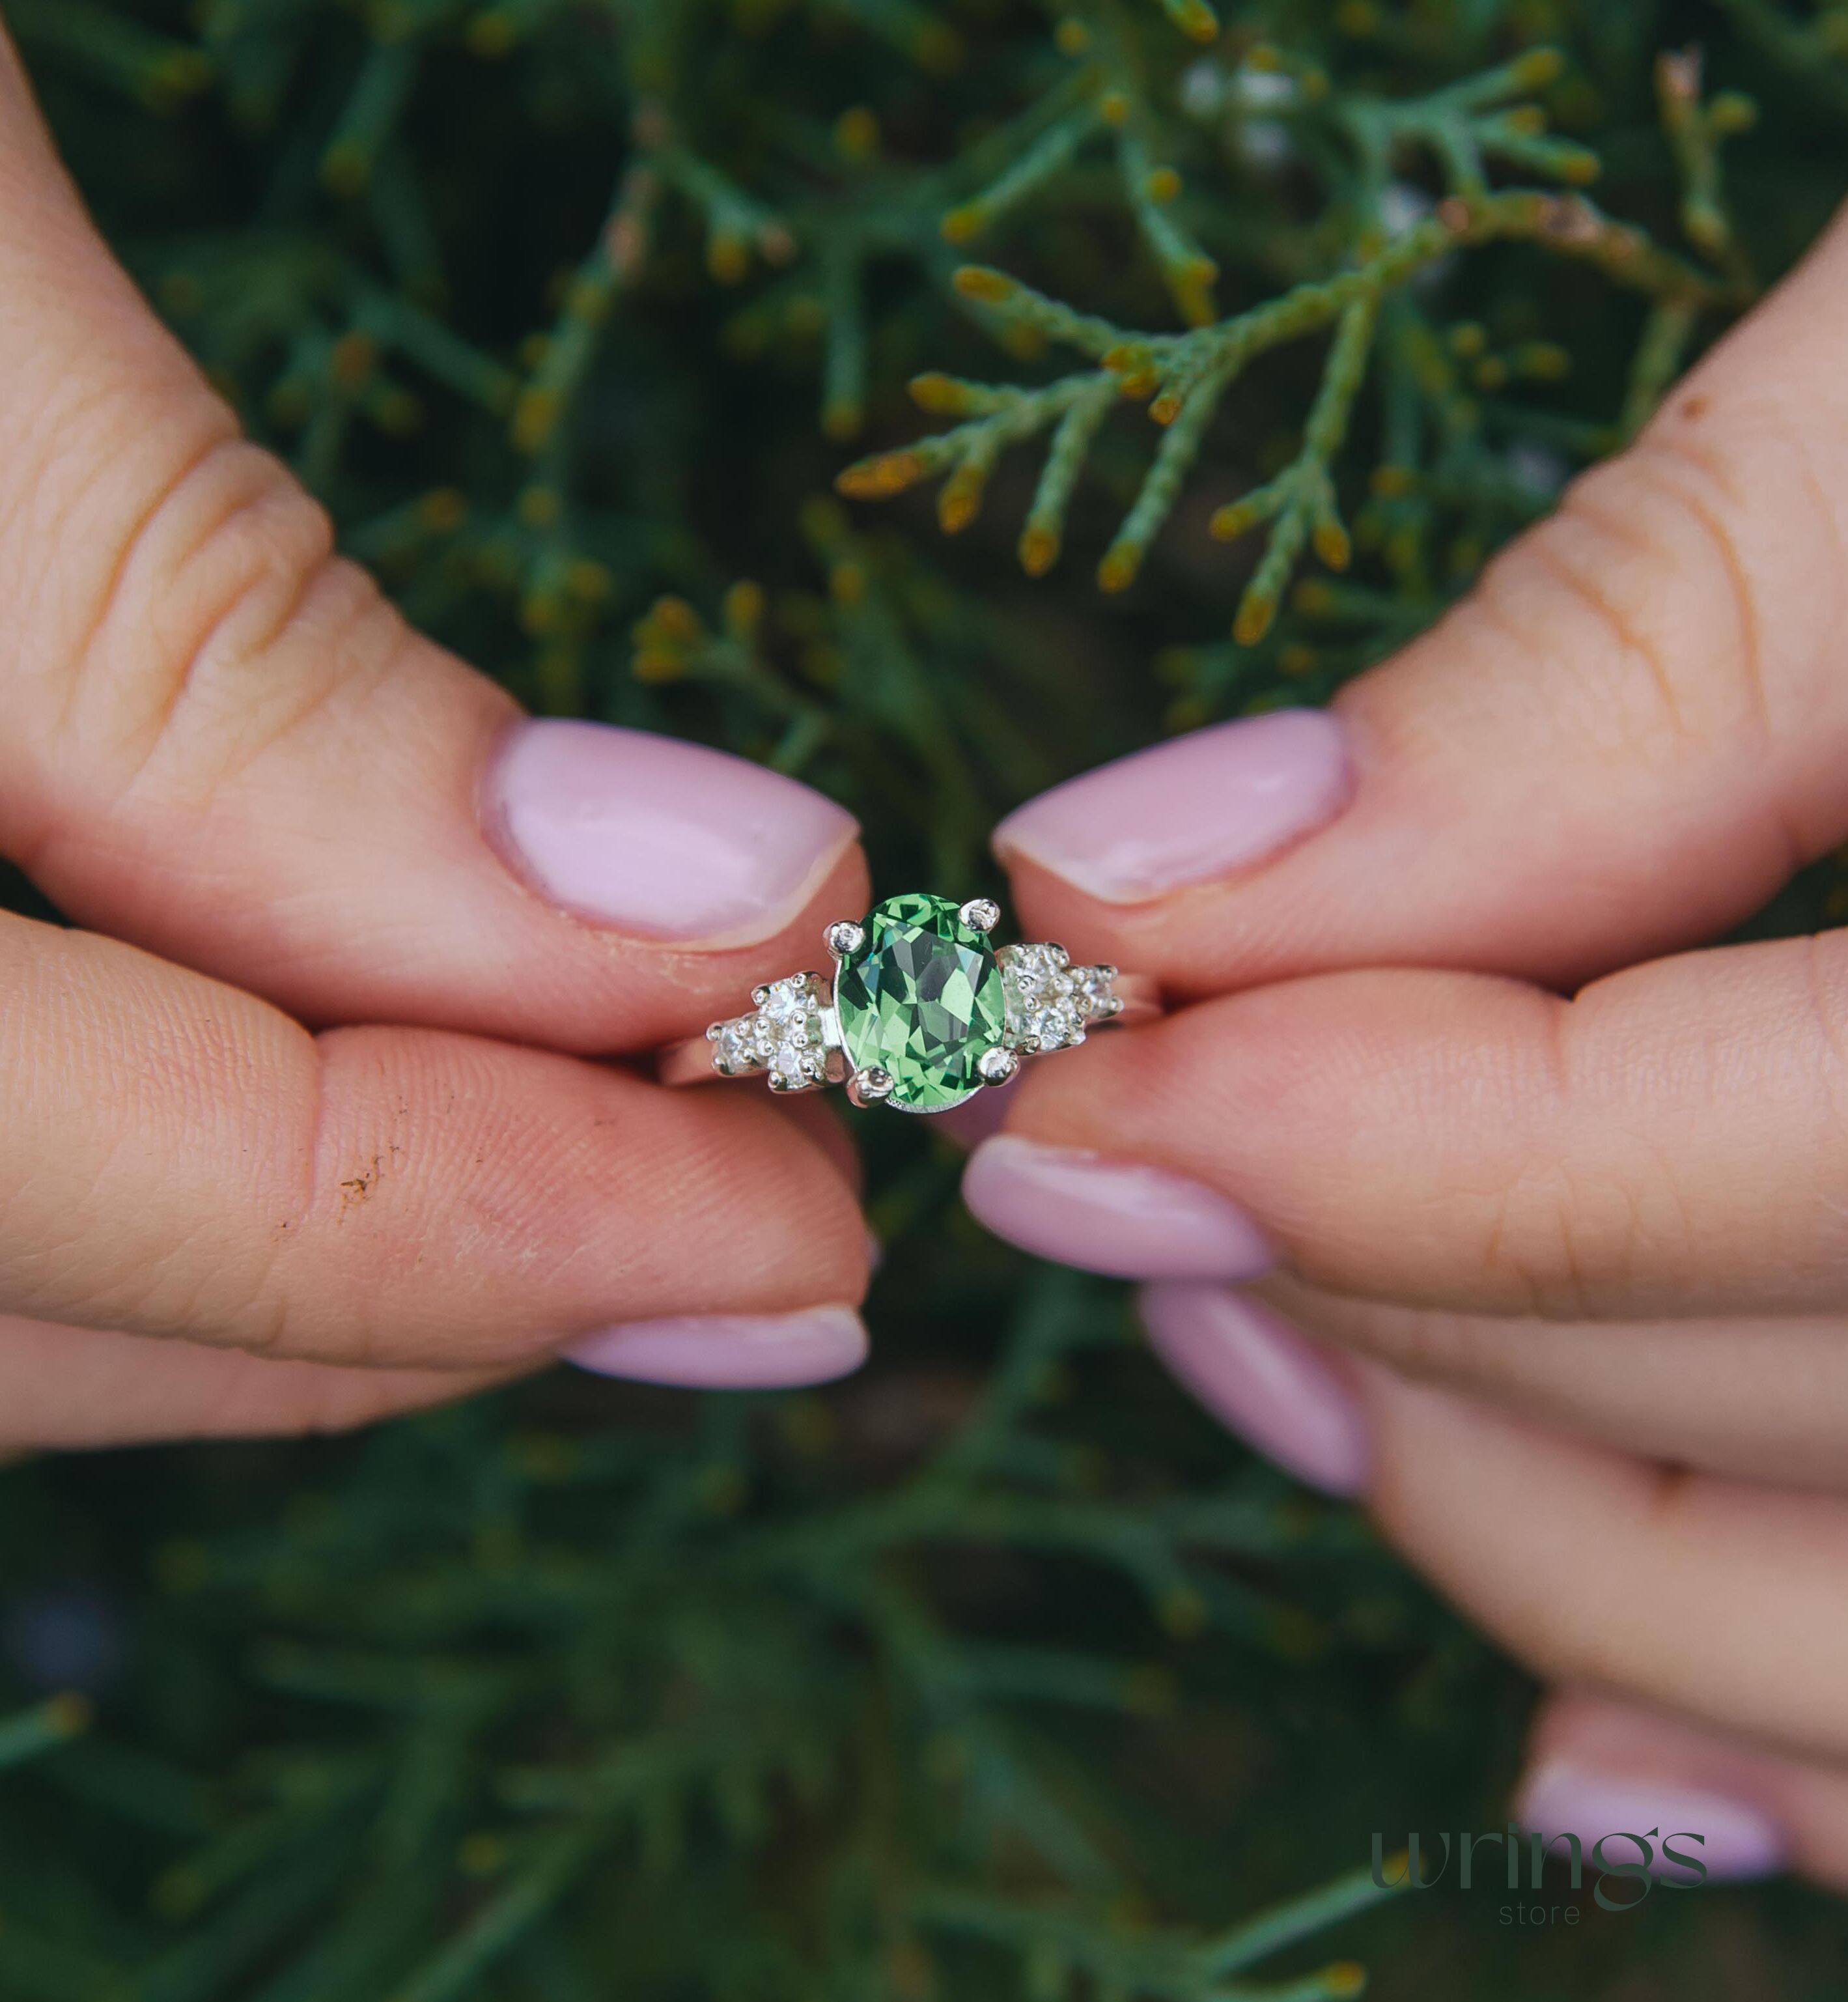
(1623, 741)
(223, 743)
(1671, 1142)
(179, 1159)
(1596, 1765)
(64, 1388)
(1717, 1599)
(1764, 1399)
(1721, 1600)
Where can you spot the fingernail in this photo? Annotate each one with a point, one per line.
(1262, 1380)
(1187, 811)
(729, 1351)
(1739, 1840)
(657, 837)
(1123, 1218)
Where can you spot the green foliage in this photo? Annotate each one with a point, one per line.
(1373, 255)
(998, 1672)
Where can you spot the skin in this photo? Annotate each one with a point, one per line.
(1568, 1195)
(299, 1130)
(283, 1146)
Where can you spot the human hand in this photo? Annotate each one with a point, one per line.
(223, 747)
(1576, 1270)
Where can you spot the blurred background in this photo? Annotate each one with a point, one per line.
(996, 1671)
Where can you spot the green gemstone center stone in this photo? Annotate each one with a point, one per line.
(921, 1000)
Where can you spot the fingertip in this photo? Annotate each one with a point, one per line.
(1195, 809)
(1269, 1385)
(662, 840)
(1665, 1812)
(1124, 1218)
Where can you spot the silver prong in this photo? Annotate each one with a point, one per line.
(997, 1066)
(714, 1030)
(1061, 958)
(867, 1087)
(981, 914)
(844, 939)
(759, 996)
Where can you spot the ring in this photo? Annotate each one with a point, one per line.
(921, 1012)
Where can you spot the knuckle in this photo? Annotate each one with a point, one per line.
(1638, 593)
(1535, 1255)
(1585, 1211)
(1428, 1345)
(225, 618)
(1581, 1238)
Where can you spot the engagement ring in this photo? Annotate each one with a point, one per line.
(921, 1012)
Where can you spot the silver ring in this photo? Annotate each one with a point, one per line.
(920, 1012)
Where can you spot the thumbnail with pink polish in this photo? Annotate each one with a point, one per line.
(1263, 1381)
(729, 1351)
(1188, 810)
(1738, 1840)
(1123, 1217)
(656, 837)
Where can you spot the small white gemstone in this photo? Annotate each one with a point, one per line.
(787, 1000)
(1048, 1000)
(783, 1037)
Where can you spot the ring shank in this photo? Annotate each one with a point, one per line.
(690, 1060)
(1141, 999)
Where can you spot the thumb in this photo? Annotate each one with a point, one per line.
(1621, 742)
(224, 745)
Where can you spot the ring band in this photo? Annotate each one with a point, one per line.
(921, 1012)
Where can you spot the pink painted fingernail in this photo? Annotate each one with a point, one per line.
(729, 1351)
(1123, 1218)
(657, 837)
(1737, 1841)
(1259, 1377)
(1188, 810)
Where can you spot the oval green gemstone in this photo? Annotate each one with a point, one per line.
(922, 1000)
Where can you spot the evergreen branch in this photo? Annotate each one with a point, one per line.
(1186, 269)
(1810, 52)
(1047, 156)
(1469, 123)
(1193, 18)
(1015, 305)
(373, 109)
(1301, 1919)
(1300, 501)
(736, 223)
(29, 1734)
(1041, 538)
(123, 53)
(1188, 375)
(844, 370)
(571, 345)
(1174, 456)
(1060, 1945)
(1696, 132)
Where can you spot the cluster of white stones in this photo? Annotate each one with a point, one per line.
(782, 1035)
(1049, 1000)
